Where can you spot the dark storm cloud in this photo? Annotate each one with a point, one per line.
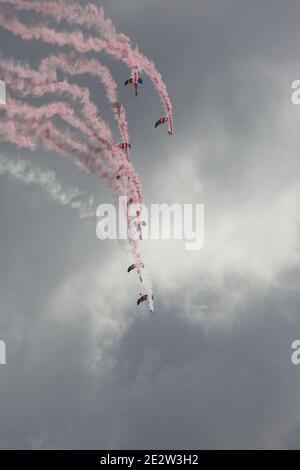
(231, 389)
(168, 387)
(213, 368)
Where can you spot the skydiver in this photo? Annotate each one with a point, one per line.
(144, 298)
(126, 147)
(138, 267)
(135, 81)
(163, 120)
(135, 266)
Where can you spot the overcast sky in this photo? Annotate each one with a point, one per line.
(212, 367)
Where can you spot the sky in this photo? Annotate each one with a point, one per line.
(212, 367)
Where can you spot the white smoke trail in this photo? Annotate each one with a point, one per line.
(27, 173)
(148, 289)
(2, 92)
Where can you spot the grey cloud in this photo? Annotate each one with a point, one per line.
(212, 369)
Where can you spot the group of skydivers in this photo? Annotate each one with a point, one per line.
(136, 81)
(125, 146)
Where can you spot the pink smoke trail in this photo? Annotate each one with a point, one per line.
(41, 88)
(79, 66)
(117, 45)
(9, 132)
(115, 157)
(72, 66)
(61, 109)
(65, 144)
(37, 88)
(49, 35)
(33, 83)
(27, 134)
(15, 108)
(43, 82)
